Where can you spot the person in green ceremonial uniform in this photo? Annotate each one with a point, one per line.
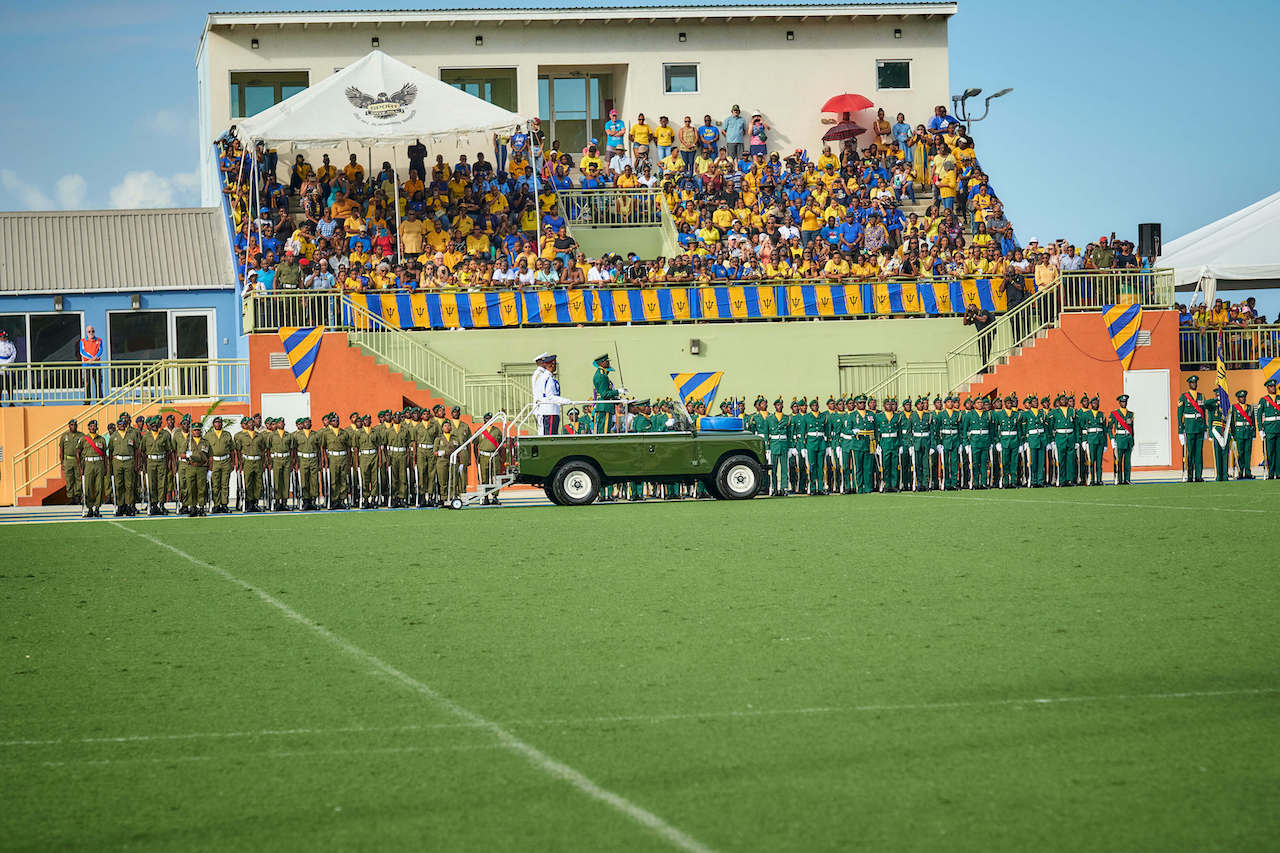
(640, 422)
(446, 472)
(976, 425)
(1122, 440)
(815, 441)
(947, 427)
(1219, 436)
(196, 453)
(157, 449)
(1267, 414)
(842, 443)
(1062, 428)
(920, 433)
(69, 452)
(888, 426)
(777, 433)
(306, 450)
(831, 419)
(1034, 431)
(996, 410)
(91, 466)
(1093, 436)
(602, 392)
(1007, 421)
(795, 445)
(1192, 422)
(335, 457)
(863, 427)
(248, 447)
(369, 459)
(1243, 431)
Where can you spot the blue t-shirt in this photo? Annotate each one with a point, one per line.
(267, 279)
(831, 234)
(850, 232)
(614, 131)
(902, 132)
(708, 133)
(555, 220)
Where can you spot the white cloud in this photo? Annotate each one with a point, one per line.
(147, 189)
(29, 196)
(71, 191)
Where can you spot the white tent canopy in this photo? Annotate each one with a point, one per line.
(1238, 252)
(375, 101)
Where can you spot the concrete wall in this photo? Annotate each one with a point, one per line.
(791, 359)
(748, 63)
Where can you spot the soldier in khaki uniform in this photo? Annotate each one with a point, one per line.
(306, 451)
(196, 453)
(279, 449)
(398, 442)
(170, 481)
(91, 465)
(369, 455)
(446, 473)
(69, 453)
(353, 473)
(220, 466)
(461, 432)
(138, 428)
(489, 457)
(438, 416)
(249, 456)
(157, 448)
(335, 455)
(124, 460)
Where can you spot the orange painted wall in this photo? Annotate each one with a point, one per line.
(1078, 357)
(22, 425)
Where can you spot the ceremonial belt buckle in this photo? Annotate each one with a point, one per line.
(220, 458)
(255, 458)
(155, 455)
(367, 452)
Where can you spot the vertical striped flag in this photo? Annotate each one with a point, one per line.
(698, 386)
(1224, 393)
(1270, 368)
(301, 345)
(1123, 322)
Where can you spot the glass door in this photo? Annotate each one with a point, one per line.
(572, 106)
(192, 338)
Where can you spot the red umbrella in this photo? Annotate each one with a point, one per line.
(847, 103)
(842, 131)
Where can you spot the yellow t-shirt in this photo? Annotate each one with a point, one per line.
(664, 136)
(640, 133)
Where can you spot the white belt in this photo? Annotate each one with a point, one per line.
(921, 434)
(846, 435)
(88, 459)
(281, 455)
(1063, 430)
(1036, 431)
(307, 455)
(817, 433)
(118, 456)
(949, 431)
(155, 456)
(220, 458)
(367, 452)
(251, 457)
(1008, 432)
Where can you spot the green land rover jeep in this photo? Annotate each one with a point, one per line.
(571, 468)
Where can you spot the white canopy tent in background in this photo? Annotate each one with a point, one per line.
(377, 101)
(1238, 252)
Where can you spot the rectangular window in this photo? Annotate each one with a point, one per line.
(893, 74)
(138, 335)
(255, 91)
(679, 79)
(55, 337)
(495, 85)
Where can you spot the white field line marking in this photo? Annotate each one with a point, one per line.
(945, 496)
(297, 753)
(539, 759)
(661, 718)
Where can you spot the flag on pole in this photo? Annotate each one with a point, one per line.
(698, 386)
(1123, 322)
(1224, 394)
(301, 345)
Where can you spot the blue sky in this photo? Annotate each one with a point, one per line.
(1122, 112)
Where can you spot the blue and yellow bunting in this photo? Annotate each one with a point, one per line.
(1123, 322)
(1270, 368)
(301, 345)
(1224, 392)
(701, 387)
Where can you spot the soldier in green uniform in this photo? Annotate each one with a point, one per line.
(935, 421)
(425, 428)
(777, 433)
(639, 411)
(1192, 422)
(831, 419)
(489, 452)
(335, 455)
(1268, 418)
(1122, 440)
(754, 422)
(919, 439)
(1062, 428)
(976, 426)
(220, 466)
(1094, 438)
(446, 473)
(138, 429)
(196, 453)
(1243, 431)
(840, 439)
(461, 433)
(90, 467)
(398, 441)
(862, 426)
(888, 441)
(1219, 438)
(1034, 431)
(814, 443)
(966, 456)
(170, 480)
(947, 428)
(306, 453)
(603, 390)
(996, 410)
(157, 449)
(248, 446)
(69, 453)
(124, 455)
(1008, 428)
(279, 449)
(795, 451)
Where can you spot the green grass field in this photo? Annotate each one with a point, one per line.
(1059, 669)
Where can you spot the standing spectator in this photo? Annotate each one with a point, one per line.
(664, 137)
(759, 135)
(941, 122)
(91, 364)
(709, 137)
(411, 233)
(288, 273)
(640, 134)
(902, 136)
(980, 319)
(615, 135)
(418, 157)
(883, 130)
(687, 143)
(1101, 256)
(8, 355)
(735, 132)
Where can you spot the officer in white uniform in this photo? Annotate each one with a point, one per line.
(8, 355)
(546, 395)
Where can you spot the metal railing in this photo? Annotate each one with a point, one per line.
(495, 392)
(403, 352)
(267, 311)
(52, 383)
(612, 207)
(156, 384)
(1010, 330)
(913, 380)
(1092, 290)
(1242, 347)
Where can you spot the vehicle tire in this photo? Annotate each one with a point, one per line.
(576, 484)
(550, 493)
(737, 478)
(456, 503)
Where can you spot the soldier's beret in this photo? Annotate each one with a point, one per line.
(778, 402)
(457, 410)
(246, 420)
(186, 419)
(355, 414)
(1192, 379)
(571, 411)
(93, 424)
(197, 426)
(299, 421)
(488, 415)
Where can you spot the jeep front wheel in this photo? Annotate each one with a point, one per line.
(576, 484)
(738, 478)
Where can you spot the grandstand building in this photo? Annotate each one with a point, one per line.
(571, 66)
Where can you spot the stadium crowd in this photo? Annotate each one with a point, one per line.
(744, 211)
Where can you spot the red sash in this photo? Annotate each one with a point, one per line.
(1243, 413)
(1192, 400)
(1273, 404)
(489, 438)
(1115, 413)
(101, 453)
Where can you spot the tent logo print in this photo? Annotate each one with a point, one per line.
(383, 106)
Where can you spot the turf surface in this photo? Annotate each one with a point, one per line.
(1061, 669)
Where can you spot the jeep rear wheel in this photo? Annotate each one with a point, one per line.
(737, 478)
(550, 493)
(576, 484)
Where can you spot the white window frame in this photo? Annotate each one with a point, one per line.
(697, 71)
(231, 108)
(910, 75)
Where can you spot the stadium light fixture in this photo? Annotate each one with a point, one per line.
(962, 112)
(1001, 93)
(970, 93)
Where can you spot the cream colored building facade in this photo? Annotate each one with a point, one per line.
(571, 66)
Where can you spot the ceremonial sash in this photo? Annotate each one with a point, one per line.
(1127, 428)
(96, 448)
(1192, 400)
(1273, 404)
(489, 439)
(1243, 413)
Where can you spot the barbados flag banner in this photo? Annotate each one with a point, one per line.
(1224, 393)
(767, 301)
(1270, 368)
(881, 303)
(1123, 322)
(681, 304)
(934, 297)
(698, 386)
(301, 346)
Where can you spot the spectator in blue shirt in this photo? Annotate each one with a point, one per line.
(709, 137)
(902, 135)
(615, 135)
(735, 133)
(940, 121)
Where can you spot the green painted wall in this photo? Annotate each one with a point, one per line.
(645, 242)
(787, 358)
